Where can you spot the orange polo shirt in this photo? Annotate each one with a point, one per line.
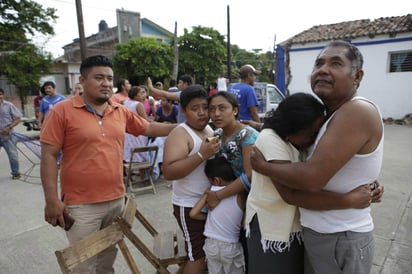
(91, 168)
(119, 98)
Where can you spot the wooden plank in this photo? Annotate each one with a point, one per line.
(89, 246)
(128, 257)
(141, 246)
(145, 222)
(163, 245)
(129, 211)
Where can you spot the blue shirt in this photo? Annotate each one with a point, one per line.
(246, 97)
(8, 113)
(48, 102)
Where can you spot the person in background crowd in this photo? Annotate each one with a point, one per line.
(123, 87)
(48, 101)
(9, 118)
(89, 130)
(149, 102)
(158, 85)
(37, 101)
(212, 88)
(347, 153)
(135, 104)
(222, 82)
(172, 86)
(167, 112)
(184, 82)
(78, 89)
(245, 93)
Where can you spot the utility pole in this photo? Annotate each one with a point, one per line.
(229, 68)
(176, 59)
(80, 24)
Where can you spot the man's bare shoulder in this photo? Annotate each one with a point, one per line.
(359, 113)
(357, 124)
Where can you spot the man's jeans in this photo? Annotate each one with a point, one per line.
(9, 143)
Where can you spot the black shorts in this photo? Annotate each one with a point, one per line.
(192, 231)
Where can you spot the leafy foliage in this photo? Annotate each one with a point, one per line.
(202, 54)
(22, 62)
(139, 58)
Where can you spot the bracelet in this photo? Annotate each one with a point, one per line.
(217, 197)
(200, 156)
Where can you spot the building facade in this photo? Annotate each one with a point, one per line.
(386, 45)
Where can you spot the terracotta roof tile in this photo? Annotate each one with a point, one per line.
(354, 29)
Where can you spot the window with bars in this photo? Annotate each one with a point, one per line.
(400, 61)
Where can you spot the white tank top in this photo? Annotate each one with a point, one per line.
(188, 190)
(223, 222)
(360, 170)
(131, 104)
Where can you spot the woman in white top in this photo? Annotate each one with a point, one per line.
(136, 95)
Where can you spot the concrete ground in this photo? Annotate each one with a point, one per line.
(28, 243)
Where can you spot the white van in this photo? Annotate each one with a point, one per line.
(269, 97)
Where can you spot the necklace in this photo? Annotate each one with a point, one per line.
(98, 116)
(99, 119)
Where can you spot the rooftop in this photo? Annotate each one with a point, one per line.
(354, 29)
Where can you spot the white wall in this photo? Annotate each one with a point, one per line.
(391, 91)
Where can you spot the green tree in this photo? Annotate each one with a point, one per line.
(139, 58)
(261, 61)
(21, 61)
(202, 54)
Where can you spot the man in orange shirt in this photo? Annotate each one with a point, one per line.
(89, 130)
(123, 87)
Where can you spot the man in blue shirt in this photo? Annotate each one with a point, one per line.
(245, 93)
(48, 101)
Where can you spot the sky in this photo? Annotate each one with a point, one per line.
(253, 24)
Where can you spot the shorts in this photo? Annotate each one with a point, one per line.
(224, 257)
(192, 231)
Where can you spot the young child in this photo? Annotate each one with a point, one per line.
(224, 252)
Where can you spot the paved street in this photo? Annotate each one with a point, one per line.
(27, 243)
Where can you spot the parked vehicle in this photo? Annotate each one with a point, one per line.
(269, 97)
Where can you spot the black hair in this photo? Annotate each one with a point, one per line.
(187, 79)
(42, 91)
(119, 84)
(214, 85)
(219, 167)
(94, 61)
(192, 92)
(172, 83)
(2, 90)
(146, 88)
(229, 97)
(133, 92)
(295, 113)
(48, 83)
